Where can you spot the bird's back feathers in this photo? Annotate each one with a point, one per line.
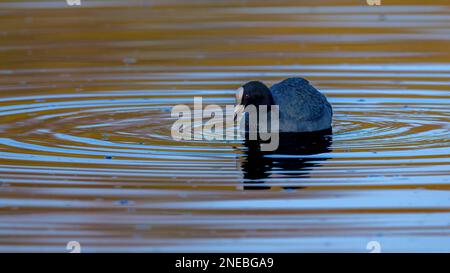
(302, 107)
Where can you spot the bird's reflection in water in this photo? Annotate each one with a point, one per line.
(287, 160)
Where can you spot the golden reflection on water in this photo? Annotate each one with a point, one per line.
(85, 146)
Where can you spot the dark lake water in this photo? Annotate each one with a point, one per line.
(86, 152)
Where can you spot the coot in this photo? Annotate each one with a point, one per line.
(302, 107)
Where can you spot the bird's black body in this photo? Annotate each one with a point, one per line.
(302, 108)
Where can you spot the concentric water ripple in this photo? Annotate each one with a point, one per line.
(86, 151)
(133, 128)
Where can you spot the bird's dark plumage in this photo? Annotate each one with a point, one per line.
(302, 107)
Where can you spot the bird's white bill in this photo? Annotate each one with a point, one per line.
(238, 110)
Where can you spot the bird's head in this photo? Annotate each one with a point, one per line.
(253, 93)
